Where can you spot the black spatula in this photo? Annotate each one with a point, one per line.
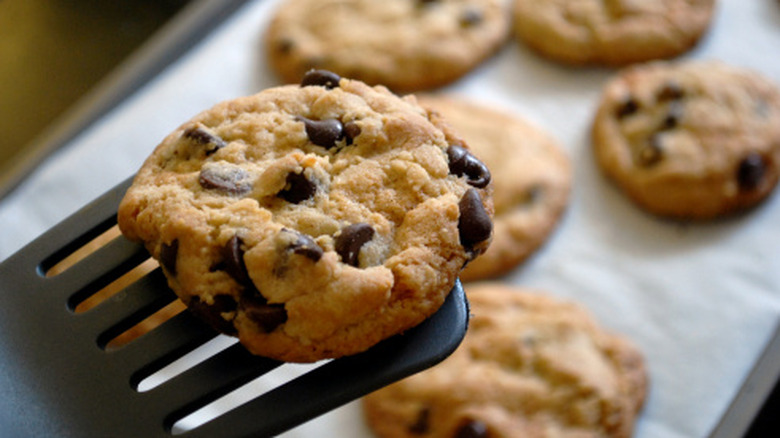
(58, 379)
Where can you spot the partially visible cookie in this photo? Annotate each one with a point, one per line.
(612, 32)
(406, 45)
(692, 140)
(312, 220)
(530, 366)
(531, 175)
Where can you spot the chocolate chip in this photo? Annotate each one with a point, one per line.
(533, 194)
(351, 239)
(212, 313)
(472, 429)
(351, 131)
(462, 163)
(673, 115)
(470, 17)
(422, 424)
(627, 106)
(322, 78)
(203, 137)
(297, 189)
(228, 179)
(323, 133)
(251, 297)
(268, 316)
(168, 255)
(671, 91)
(474, 224)
(307, 247)
(285, 45)
(751, 171)
(233, 260)
(651, 152)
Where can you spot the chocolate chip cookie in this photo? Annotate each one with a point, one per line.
(406, 45)
(311, 220)
(692, 140)
(531, 176)
(611, 32)
(530, 366)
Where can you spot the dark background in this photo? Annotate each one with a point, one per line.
(53, 51)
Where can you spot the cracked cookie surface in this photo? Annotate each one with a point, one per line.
(531, 178)
(313, 220)
(611, 32)
(406, 45)
(690, 140)
(531, 366)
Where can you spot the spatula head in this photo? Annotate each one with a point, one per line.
(59, 379)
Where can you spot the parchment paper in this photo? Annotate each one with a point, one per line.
(700, 299)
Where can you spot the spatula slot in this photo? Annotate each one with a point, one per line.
(79, 248)
(150, 323)
(186, 362)
(164, 345)
(242, 395)
(128, 307)
(117, 285)
(98, 271)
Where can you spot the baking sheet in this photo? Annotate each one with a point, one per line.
(700, 299)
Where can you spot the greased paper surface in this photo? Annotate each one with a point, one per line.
(700, 300)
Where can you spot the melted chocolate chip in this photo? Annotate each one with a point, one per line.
(322, 78)
(651, 152)
(323, 133)
(298, 188)
(472, 429)
(203, 137)
(470, 17)
(212, 314)
(422, 424)
(351, 239)
(251, 297)
(351, 131)
(462, 163)
(268, 316)
(168, 255)
(233, 260)
(671, 91)
(627, 106)
(307, 247)
(474, 224)
(673, 115)
(751, 171)
(228, 179)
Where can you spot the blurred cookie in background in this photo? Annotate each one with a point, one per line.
(690, 140)
(406, 45)
(612, 32)
(530, 366)
(531, 176)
